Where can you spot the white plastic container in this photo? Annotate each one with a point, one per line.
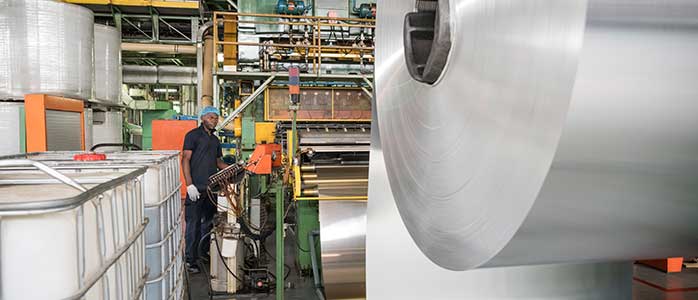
(70, 234)
(10, 125)
(164, 252)
(107, 69)
(45, 48)
(107, 128)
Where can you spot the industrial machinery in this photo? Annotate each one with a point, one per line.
(239, 259)
(331, 182)
(295, 86)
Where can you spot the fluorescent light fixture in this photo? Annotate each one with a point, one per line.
(161, 90)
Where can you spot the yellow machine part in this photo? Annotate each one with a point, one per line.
(237, 122)
(264, 132)
(319, 104)
(230, 34)
(297, 182)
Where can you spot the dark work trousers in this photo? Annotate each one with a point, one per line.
(199, 218)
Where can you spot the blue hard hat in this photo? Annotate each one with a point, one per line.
(208, 110)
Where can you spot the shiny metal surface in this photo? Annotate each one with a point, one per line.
(397, 269)
(343, 233)
(603, 91)
(625, 174)
(63, 130)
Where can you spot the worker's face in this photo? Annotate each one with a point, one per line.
(210, 120)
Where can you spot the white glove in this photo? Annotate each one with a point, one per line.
(193, 193)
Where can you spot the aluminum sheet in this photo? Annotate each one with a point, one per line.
(397, 269)
(343, 234)
(560, 131)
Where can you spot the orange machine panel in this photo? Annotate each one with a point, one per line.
(169, 135)
(264, 158)
(669, 265)
(35, 107)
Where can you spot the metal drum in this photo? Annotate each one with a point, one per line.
(71, 235)
(163, 236)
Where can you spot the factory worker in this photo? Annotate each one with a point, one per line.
(201, 158)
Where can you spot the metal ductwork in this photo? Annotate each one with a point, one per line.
(135, 74)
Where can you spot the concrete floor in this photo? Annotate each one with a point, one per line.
(302, 287)
(652, 284)
(648, 284)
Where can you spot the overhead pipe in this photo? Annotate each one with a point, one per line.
(200, 64)
(207, 72)
(204, 64)
(159, 48)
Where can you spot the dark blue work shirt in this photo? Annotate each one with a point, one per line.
(205, 149)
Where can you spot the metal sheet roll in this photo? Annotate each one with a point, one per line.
(107, 80)
(343, 231)
(559, 131)
(45, 47)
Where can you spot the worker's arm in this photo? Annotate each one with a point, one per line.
(186, 167)
(189, 145)
(219, 161)
(220, 164)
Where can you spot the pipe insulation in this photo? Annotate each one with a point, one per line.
(45, 47)
(159, 48)
(135, 74)
(558, 131)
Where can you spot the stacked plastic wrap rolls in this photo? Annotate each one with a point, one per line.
(45, 47)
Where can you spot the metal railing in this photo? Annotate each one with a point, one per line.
(313, 46)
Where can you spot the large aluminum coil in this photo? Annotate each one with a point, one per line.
(560, 131)
(107, 80)
(45, 47)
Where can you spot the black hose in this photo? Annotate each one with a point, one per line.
(122, 145)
